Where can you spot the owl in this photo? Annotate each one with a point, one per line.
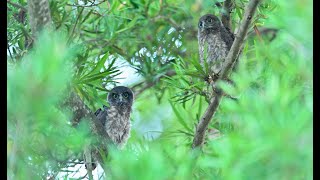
(116, 117)
(215, 42)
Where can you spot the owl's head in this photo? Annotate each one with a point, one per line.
(120, 96)
(209, 21)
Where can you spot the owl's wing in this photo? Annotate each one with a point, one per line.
(102, 114)
(231, 34)
(227, 36)
(97, 112)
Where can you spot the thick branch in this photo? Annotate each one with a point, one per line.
(225, 14)
(229, 61)
(81, 111)
(39, 15)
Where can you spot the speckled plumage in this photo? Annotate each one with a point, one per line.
(214, 41)
(116, 118)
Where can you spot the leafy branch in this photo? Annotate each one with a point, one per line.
(39, 18)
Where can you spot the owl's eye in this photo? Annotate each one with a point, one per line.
(125, 95)
(200, 24)
(115, 96)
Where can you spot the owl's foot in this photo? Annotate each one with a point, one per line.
(206, 78)
(209, 79)
(93, 166)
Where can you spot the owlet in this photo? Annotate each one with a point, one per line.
(116, 118)
(215, 42)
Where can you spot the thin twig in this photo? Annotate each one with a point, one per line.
(149, 84)
(229, 61)
(264, 31)
(17, 5)
(74, 27)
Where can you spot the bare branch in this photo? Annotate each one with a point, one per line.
(87, 153)
(81, 111)
(39, 15)
(225, 14)
(229, 62)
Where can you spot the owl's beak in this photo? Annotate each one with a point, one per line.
(121, 101)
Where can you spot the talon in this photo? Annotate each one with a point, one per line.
(208, 79)
(93, 165)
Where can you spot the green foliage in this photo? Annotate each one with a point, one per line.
(151, 160)
(87, 81)
(265, 134)
(190, 80)
(39, 133)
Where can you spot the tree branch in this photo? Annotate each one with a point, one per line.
(39, 15)
(229, 61)
(88, 161)
(81, 111)
(39, 18)
(225, 14)
(17, 5)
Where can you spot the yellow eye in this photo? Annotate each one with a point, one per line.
(125, 95)
(115, 96)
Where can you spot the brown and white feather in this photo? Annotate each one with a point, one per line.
(214, 42)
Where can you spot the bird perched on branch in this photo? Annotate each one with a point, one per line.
(215, 42)
(116, 118)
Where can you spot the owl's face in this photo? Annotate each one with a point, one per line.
(120, 96)
(208, 21)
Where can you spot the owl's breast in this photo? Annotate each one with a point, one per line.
(216, 48)
(117, 124)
